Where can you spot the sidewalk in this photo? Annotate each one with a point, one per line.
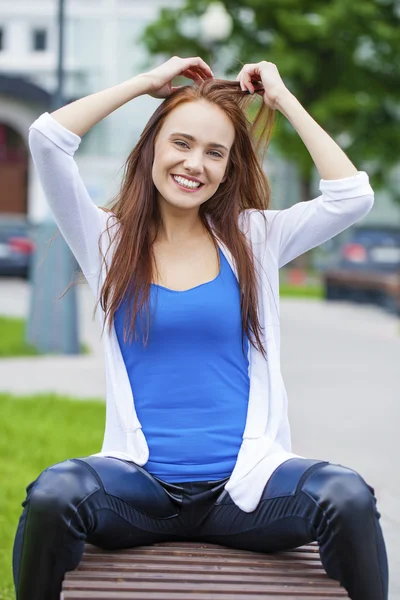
(81, 376)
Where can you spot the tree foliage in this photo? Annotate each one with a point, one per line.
(341, 60)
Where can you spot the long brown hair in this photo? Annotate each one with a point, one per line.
(135, 206)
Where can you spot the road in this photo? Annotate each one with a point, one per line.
(341, 367)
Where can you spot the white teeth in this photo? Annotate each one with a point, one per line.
(186, 182)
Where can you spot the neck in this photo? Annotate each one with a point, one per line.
(179, 231)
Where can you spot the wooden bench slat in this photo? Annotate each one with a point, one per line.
(199, 550)
(181, 586)
(199, 575)
(268, 558)
(160, 579)
(76, 595)
(200, 571)
(178, 570)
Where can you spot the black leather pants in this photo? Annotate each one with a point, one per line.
(115, 504)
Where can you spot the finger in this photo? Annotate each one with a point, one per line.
(242, 85)
(251, 76)
(239, 75)
(200, 73)
(196, 61)
(191, 74)
(248, 81)
(239, 78)
(196, 75)
(245, 82)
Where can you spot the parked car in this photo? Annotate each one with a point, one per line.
(367, 268)
(16, 245)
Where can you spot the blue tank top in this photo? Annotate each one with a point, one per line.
(190, 383)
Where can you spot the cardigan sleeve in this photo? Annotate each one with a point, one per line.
(80, 221)
(305, 225)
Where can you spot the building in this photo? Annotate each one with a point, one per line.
(101, 50)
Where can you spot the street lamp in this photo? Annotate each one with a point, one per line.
(215, 26)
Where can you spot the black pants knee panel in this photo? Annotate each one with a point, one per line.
(61, 488)
(340, 492)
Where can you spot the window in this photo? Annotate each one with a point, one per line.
(39, 40)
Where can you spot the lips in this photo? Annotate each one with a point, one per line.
(187, 177)
(186, 189)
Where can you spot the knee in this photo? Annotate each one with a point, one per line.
(59, 491)
(341, 493)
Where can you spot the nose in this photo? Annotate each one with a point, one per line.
(194, 162)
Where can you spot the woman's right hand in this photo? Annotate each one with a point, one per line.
(160, 79)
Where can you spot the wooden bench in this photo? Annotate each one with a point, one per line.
(181, 570)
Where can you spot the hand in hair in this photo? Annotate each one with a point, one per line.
(160, 78)
(264, 79)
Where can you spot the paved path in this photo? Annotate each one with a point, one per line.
(341, 367)
(79, 376)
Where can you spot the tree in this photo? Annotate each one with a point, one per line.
(341, 60)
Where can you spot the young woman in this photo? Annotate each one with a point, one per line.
(184, 265)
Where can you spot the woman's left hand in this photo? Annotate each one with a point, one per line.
(263, 78)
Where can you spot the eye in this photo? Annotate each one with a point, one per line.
(181, 144)
(185, 145)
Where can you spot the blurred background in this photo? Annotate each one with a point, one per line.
(340, 302)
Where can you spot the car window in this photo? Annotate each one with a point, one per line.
(385, 238)
(7, 231)
(372, 248)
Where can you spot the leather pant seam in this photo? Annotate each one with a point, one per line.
(259, 527)
(90, 470)
(130, 507)
(116, 498)
(307, 473)
(325, 516)
(276, 498)
(130, 523)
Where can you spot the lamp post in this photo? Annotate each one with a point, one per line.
(52, 323)
(215, 27)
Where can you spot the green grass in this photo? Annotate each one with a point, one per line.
(300, 291)
(36, 432)
(12, 339)
(12, 342)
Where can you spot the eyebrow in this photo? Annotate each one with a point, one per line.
(193, 139)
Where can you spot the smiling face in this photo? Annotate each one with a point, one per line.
(191, 154)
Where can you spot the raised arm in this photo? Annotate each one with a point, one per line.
(80, 116)
(83, 114)
(346, 195)
(54, 139)
(306, 225)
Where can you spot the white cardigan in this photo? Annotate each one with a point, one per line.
(266, 439)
